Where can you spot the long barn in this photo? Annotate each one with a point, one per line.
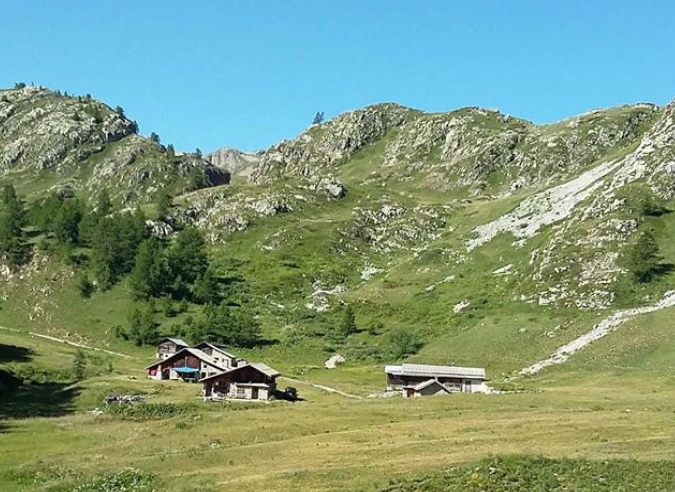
(422, 380)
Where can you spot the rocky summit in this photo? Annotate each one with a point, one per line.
(48, 140)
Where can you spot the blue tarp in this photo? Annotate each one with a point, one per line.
(185, 369)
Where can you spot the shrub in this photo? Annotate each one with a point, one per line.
(403, 343)
(150, 411)
(128, 480)
(85, 286)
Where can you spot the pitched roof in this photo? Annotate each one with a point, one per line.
(177, 341)
(204, 357)
(259, 366)
(436, 371)
(217, 348)
(428, 383)
(265, 369)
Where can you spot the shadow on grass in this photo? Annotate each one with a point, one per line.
(25, 399)
(14, 353)
(664, 269)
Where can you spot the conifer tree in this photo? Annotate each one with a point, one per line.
(206, 289)
(163, 204)
(79, 365)
(348, 322)
(148, 278)
(187, 260)
(12, 220)
(644, 258)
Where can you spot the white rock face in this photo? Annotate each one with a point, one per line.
(461, 305)
(369, 271)
(544, 208)
(602, 329)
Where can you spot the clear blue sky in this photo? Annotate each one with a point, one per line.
(249, 73)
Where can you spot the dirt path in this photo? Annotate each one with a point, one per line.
(604, 328)
(61, 340)
(322, 387)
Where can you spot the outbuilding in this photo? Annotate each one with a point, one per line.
(250, 381)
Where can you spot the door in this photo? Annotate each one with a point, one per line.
(254, 393)
(466, 386)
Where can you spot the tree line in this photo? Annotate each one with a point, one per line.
(106, 246)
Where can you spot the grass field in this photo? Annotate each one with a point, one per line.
(329, 442)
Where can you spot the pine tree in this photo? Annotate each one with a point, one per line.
(91, 218)
(227, 326)
(163, 204)
(67, 221)
(206, 289)
(644, 258)
(79, 365)
(148, 278)
(348, 322)
(104, 245)
(12, 220)
(187, 260)
(142, 326)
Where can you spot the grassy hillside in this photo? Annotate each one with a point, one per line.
(486, 240)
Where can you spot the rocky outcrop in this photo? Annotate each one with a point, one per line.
(87, 146)
(234, 161)
(323, 146)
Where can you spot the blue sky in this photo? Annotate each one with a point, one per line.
(249, 73)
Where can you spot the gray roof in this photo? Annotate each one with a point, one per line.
(177, 341)
(217, 348)
(263, 368)
(204, 357)
(428, 383)
(436, 371)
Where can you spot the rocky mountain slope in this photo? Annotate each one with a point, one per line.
(48, 140)
(487, 234)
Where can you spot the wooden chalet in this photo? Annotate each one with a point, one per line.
(188, 364)
(169, 346)
(250, 381)
(423, 380)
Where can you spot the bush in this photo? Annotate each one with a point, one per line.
(128, 480)
(150, 411)
(85, 286)
(404, 343)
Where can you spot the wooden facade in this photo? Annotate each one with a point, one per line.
(247, 382)
(188, 365)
